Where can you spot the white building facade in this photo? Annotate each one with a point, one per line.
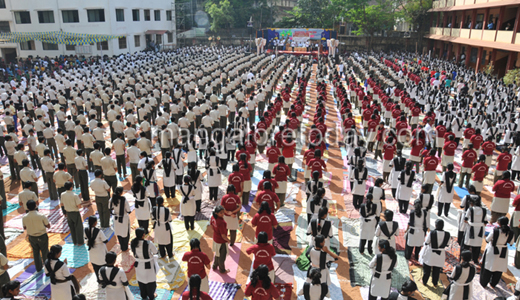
(139, 22)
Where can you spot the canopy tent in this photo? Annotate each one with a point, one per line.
(56, 37)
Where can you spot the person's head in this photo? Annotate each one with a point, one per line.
(323, 213)
(389, 215)
(504, 224)
(314, 274)
(506, 175)
(450, 167)
(261, 273)
(408, 288)
(92, 221)
(262, 237)
(264, 207)
(159, 201)
(319, 241)
(194, 283)
(316, 175)
(195, 244)
(379, 182)
(439, 224)
(11, 289)
(30, 205)
(110, 258)
(465, 257)
(54, 252)
(268, 185)
(385, 248)
(68, 186)
(218, 212)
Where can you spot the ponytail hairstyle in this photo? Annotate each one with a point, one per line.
(159, 201)
(243, 158)
(318, 240)
(117, 195)
(195, 286)
(267, 175)
(417, 205)
(369, 202)
(192, 169)
(439, 225)
(322, 213)
(389, 215)
(314, 275)
(387, 249)
(379, 182)
(236, 167)
(217, 210)
(54, 251)
(194, 243)
(231, 189)
(506, 175)
(465, 257)
(9, 288)
(408, 167)
(264, 206)
(261, 273)
(187, 179)
(504, 225)
(138, 183)
(92, 221)
(139, 236)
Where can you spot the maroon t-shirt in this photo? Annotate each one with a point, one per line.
(219, 229)
(197, 261)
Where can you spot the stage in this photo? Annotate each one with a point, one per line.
(313, 53)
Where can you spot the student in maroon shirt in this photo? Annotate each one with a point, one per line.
(197, 261)
(232, 206)
(281, 171)
(468, 160)
(220, 239)
(480, 170)
(195, 292)
(269, 196)
(487, 149)
(261, 287)
(502, 189)
(477, 139)
(264, 221)
(263, 253)
(267, 177)
(317, 164)
(272, 153)
(237, 179)
(449, 152)
(246, 169)
(503, 161)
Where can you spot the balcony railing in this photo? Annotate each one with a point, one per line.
(464, 33)
(459, 2)
(438, 31)
(504, 36)
(432, 30)
(450, 3)
(489, 35)
(476, 34)
(455, 32)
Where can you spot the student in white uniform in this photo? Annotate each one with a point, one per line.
(382, 265)
(475, 220)
(196, 180)
(188, 205)
(143, 206)
(427, 201)
(405, 187)
(416, 230)
(378, 195)
(368, 215)
(96, 242)
(314, 288)
(192, 149)
(386, 230)
(146, 267)
(120, 209)
(11, 290)
(162, 229)
(214, 174)
(320, 226)
(321, 257)
(113, 279)
(359, 178)
(494, 261)
(314, 204)
(168, 166)
(447, 191)
(407, 290)
(433, 255)
(59, 274)
(460, 287)
(150, 181)
(398, 164)
(178, 159)
(313, 185)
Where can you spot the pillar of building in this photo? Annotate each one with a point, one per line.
(459, 52)
(450, 47)
(468, 53)
(479, 56)
(485, 22)
(511, 60)
(515, 27)
(462, 19)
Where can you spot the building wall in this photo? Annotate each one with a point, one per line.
(128, 27)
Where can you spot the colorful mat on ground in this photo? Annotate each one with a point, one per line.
(109, 232)
(231, 265)
(283, 272)
(10, 208)
(11, 234)
(360, 273)
(56, 218)
(125, 260)
(334, 289)
(17, 266)
(206, 210)
(77, 256)
(302, 239)
(23, 248)
(452, 255)
(35, 284)
(429, 291)
(162, 294)
(285, 290)
(91, 289)
(480, 293)
(351, 231)
(219, 290)
(182, 237)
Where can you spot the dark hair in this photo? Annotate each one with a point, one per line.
(465, 257)
(10, 286)
(417, 205)
(195, 285)
(504, 224)
(261, 273)
(31, 205)
(79, 297)
(389, 215)
(439, 224)
(138, 183)
(409, 286)
(110, 257)
(262, 237)
(387, 249)
(264, 206)
(139, 235)
(314, 275)
(194, 243)
(323, 212)
(55, 250)
(216, 210)
(318, 240)
(117, 195)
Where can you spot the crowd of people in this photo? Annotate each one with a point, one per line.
(187, 121)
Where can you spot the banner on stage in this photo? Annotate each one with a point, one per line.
(298, 35)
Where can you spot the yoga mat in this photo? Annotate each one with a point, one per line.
(125, 260)
(17, 266)
(402, 219)
(58, 221)
(219, 290)
(77, 256)
(292, 192)
(334, 289)
(285, 215)
(231, 264)
(91, 289)
(351, 230)
(255, 179)
(109, 232)
(285, 290)
(162, 294)
(23, 248)
(334, 241)
(283, 268)
(282, 237)
(181, 237)
(10, 208)
(167, 273)
(350, 211)
(11, 234)
(35, 283)
(452, 255)
(511, 263)
(400, 240)
(480, 293)
(206, 210)
(429, 291)
(48, 204)
(302, 239)
(360, 273)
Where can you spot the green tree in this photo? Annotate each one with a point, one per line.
(221, 14)
(415, 12)
(311, 14)
(369, 16)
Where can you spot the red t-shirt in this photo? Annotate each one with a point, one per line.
(449, 148)
(441, 130)
(272, 154)
(280, 172)
(401, 128)
(203, 296)
(316, 164)
(237, 155)
(417, 146)
(479, 171)
(263, 255)
(197, 260)
(468, 133)
(503, 160)
(236, 179)
(269, 197)
(230, 202)
(431, 163)
(259, 293)
(503, 188)
(476, 139)
(468, 158)
(273, 182)
(388, 151)
(488, 147)
(219, 229)
(348, 123)
(246, 171)
(264, 222)
(288, 149)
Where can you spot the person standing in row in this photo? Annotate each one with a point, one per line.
(96, 242)
(143, 206)
(145, 266)
(62, 286)
(120, 209)
(220, 239)
(197, 261)
(36, 224)
(70, 205)
(101, 191)
(162, 230)
(113, 279)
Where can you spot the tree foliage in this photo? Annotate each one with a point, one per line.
(236, 13)
(512, 76)
(415, 12)
(221, 14)
(369, 16)
(311, 14)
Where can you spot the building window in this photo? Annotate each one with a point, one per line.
(2, 3)
(102, 45)
(4, 26)
(120, 15)
(46, 16)
(70, 16)
(70, 47)
(22, 17)
(29, 45)
(147, 15)
(96, 15)
(170, 37)
(473, 56)
(158, 39)
(157, 14)
(122, 42)
(135, 15)
(137, 40)
(168, 15)
(49, 46)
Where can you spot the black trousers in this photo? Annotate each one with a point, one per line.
(362, 246)
(403, 206)
(189, 222)
(434, 271)
(169, 191)
(144, 224)
(475, 252)
(163, 249)
(489, 277)
(147, 290)
(198, 205)
(213, 193)
(357, 201)
(96, 269)
(123, 242)
(443, 207)
(223, 163)
(408, 252)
